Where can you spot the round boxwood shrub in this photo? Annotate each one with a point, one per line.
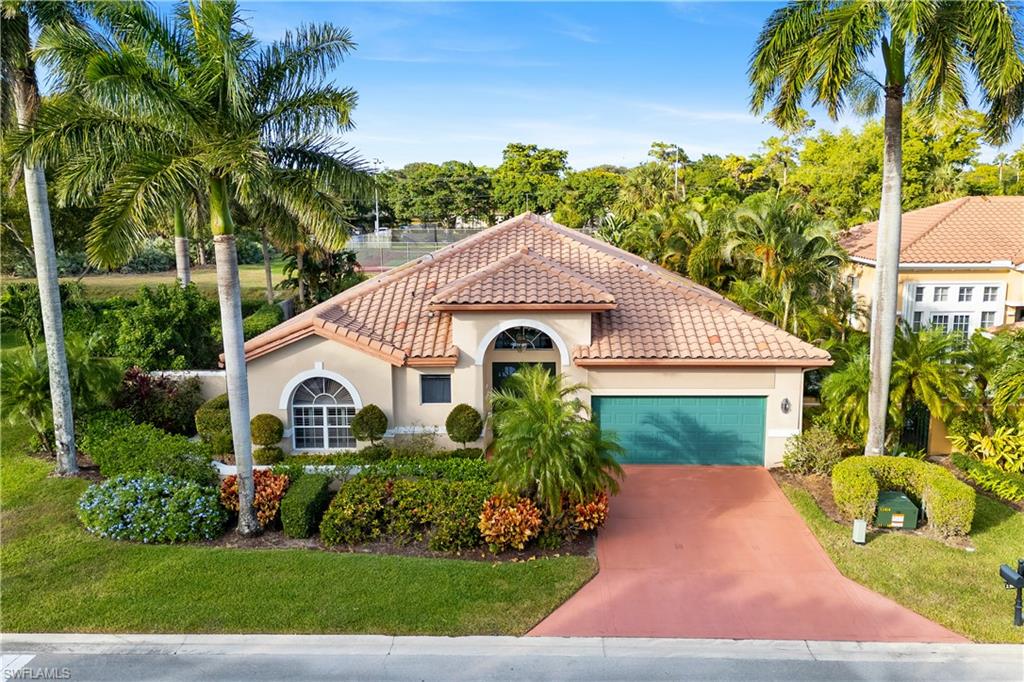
(266, 430)
(212, 417)
(949, 503)
(268, 455)
(370, 423)
(464, 424)
(151, 508)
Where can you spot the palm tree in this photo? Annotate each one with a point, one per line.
(1001, 159)
(21, 88)
(782, 243)
(826, 48)
(202, 109)
(549, 448)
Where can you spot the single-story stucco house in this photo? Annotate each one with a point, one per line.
(681, 374)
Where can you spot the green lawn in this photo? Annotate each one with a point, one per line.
(56, 577)
(956, 588)
(102, 286)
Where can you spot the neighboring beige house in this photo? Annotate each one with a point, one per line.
(961, 263)
(677, 371)
(961, 268)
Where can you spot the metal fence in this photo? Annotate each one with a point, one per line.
(376, 257)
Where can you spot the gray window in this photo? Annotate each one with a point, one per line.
(940, 294)
(965, 294)
(962, 324)
(990, 294)
(321, 413)
(919, 294)
(940, 322)
(436, 388)
(988, 319)
(916, 324)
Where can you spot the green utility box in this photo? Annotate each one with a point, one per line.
(895, 510)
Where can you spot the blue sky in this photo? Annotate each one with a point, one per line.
(439, 81)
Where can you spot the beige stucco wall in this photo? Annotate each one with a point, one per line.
(396, 390)
(938, 438)
(1012, 279)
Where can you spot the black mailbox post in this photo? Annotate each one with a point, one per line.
(1014, 581)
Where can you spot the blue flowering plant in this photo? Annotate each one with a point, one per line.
(152, 508)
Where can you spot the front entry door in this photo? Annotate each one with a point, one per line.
(500, 371)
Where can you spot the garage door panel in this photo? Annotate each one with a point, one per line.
(685, 430)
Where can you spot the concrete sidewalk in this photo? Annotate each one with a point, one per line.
(226, 658)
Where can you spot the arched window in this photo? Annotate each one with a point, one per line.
(321, 412)
(523, 338)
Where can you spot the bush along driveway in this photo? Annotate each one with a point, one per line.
(59, 578)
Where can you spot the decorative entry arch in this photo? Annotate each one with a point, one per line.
(488, 338)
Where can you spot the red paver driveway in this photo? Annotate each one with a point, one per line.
(718, 552)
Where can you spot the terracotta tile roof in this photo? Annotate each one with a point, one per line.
(658, 316)
(523, 280)
(965, 230)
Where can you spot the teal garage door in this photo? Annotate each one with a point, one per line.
(685, 430)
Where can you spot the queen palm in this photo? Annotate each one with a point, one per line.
(192, 104)
(21, 92)
(826, 48)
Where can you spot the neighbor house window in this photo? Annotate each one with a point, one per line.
(321, 413)
(988, 319)
(940, 294)
(919, 294)
(916, 324)
(436, 388)
(962, 324)
(940, 322)
(965, 294)
(990, 294)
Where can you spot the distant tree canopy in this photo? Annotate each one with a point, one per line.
(530, 178)
(442, 193)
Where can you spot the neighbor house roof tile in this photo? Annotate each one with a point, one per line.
(653, 316)
(967, 230)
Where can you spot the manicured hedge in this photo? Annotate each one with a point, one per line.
(464, 424)
(452, 469)
(213, 417)
(264, 319)
(120, 447)
(1007, 485)
(949, 503)
(151, 508)
(266, 430)
(369, 507)
(304, 504)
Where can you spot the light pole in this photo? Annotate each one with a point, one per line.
(377, 163)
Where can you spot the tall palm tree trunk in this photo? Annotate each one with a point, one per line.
(268, 271)
(26, 103)
(883, 314)
(300, 258)
(229, 292)
(181, 256)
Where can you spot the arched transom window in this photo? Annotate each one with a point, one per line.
(322, 411)
(523, 338)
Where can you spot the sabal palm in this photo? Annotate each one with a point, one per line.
(191, 103)
(545, 443)
(825, 49)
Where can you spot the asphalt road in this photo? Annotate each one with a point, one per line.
(426, 658)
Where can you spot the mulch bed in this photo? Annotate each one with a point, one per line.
(276, 539)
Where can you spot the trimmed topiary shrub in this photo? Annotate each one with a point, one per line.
(948, 503)
(268, 455)
(464, 424)
(119, 447)
(304, 504)
(213, 416)
(266, 430)
(151, 508)
(370, 423)
(815, 451)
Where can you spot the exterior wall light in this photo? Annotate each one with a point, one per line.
(786, 406)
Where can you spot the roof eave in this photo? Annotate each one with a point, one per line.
(703, 362)
(501, 307)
